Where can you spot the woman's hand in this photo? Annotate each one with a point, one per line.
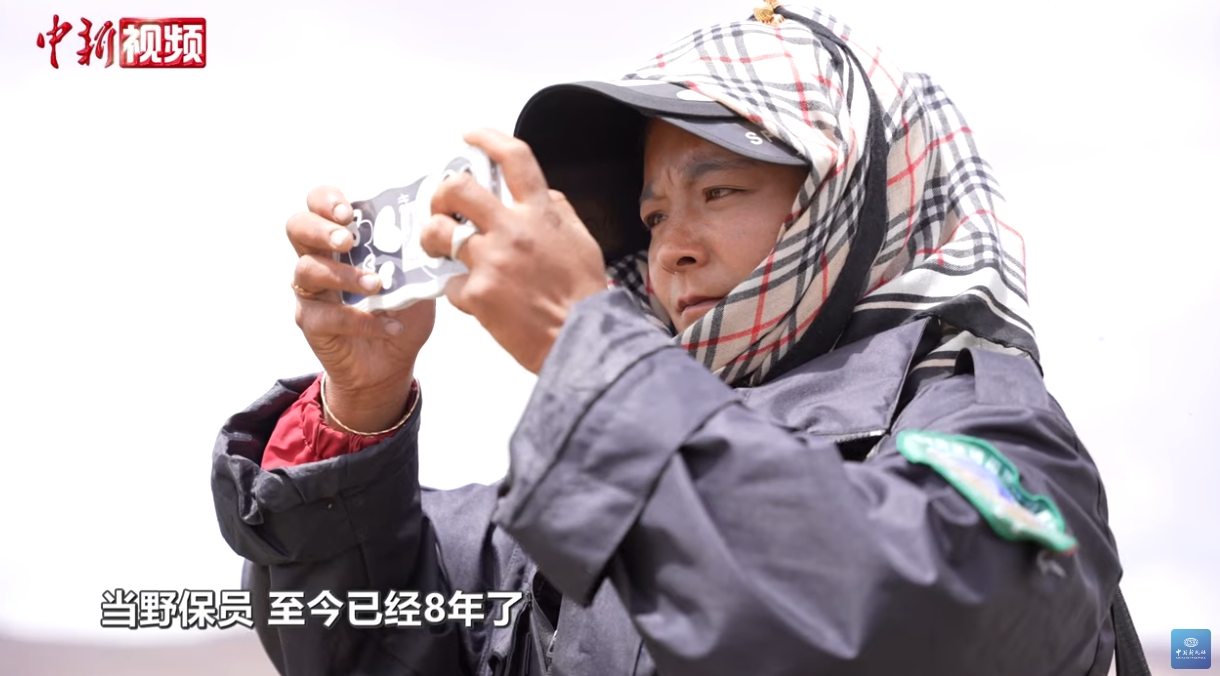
(369, 358)
(529, 264)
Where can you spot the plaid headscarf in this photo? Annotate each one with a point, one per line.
(946, 249)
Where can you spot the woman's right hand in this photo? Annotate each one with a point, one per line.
(369, 358)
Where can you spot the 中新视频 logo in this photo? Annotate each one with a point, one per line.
(142, 42)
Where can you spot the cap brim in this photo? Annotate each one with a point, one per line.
(588, 139)
(741, 137)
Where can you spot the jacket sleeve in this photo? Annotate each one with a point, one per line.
(348, 523)
(739, 546)
(301, 436)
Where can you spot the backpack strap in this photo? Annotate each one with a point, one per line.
(1128, 652)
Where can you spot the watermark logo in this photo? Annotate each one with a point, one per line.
(142, 42)
(163, 43)
(1192, 649)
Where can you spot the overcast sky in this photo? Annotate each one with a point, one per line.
(147, 280)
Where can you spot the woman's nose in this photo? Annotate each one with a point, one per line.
(679, 245)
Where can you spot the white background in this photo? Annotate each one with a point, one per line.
(146, 271)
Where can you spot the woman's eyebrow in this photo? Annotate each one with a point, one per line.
(699, 167)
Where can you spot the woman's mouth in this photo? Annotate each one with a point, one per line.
(693, 307)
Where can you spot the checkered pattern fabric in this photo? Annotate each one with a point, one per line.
(947, 251)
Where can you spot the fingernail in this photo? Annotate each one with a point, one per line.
(341, 213)
(338, 237)
(370, 282)
(392, 327)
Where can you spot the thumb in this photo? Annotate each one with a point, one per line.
(331, 320)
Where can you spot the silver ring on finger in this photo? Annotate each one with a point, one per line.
(461, 233)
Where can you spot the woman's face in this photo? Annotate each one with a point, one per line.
(713, 216)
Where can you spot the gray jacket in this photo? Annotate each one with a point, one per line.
(658, 522)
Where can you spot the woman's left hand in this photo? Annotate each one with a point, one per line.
(529, 263)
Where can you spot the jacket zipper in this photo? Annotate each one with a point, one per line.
(857, 435)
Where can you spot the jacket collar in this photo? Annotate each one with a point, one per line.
(851, 392)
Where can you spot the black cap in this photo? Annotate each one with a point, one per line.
(588, 138)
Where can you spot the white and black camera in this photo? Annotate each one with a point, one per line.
(387, 229)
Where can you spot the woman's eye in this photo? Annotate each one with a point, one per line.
(651, 220)
(717, 193)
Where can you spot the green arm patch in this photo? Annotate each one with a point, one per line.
(992, 484)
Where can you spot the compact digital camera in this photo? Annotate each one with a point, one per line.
(387, 229)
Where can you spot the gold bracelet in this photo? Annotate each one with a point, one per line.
(327, 412)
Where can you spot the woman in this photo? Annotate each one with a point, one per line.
(803, 432)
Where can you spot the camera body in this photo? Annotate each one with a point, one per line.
(387, 229)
